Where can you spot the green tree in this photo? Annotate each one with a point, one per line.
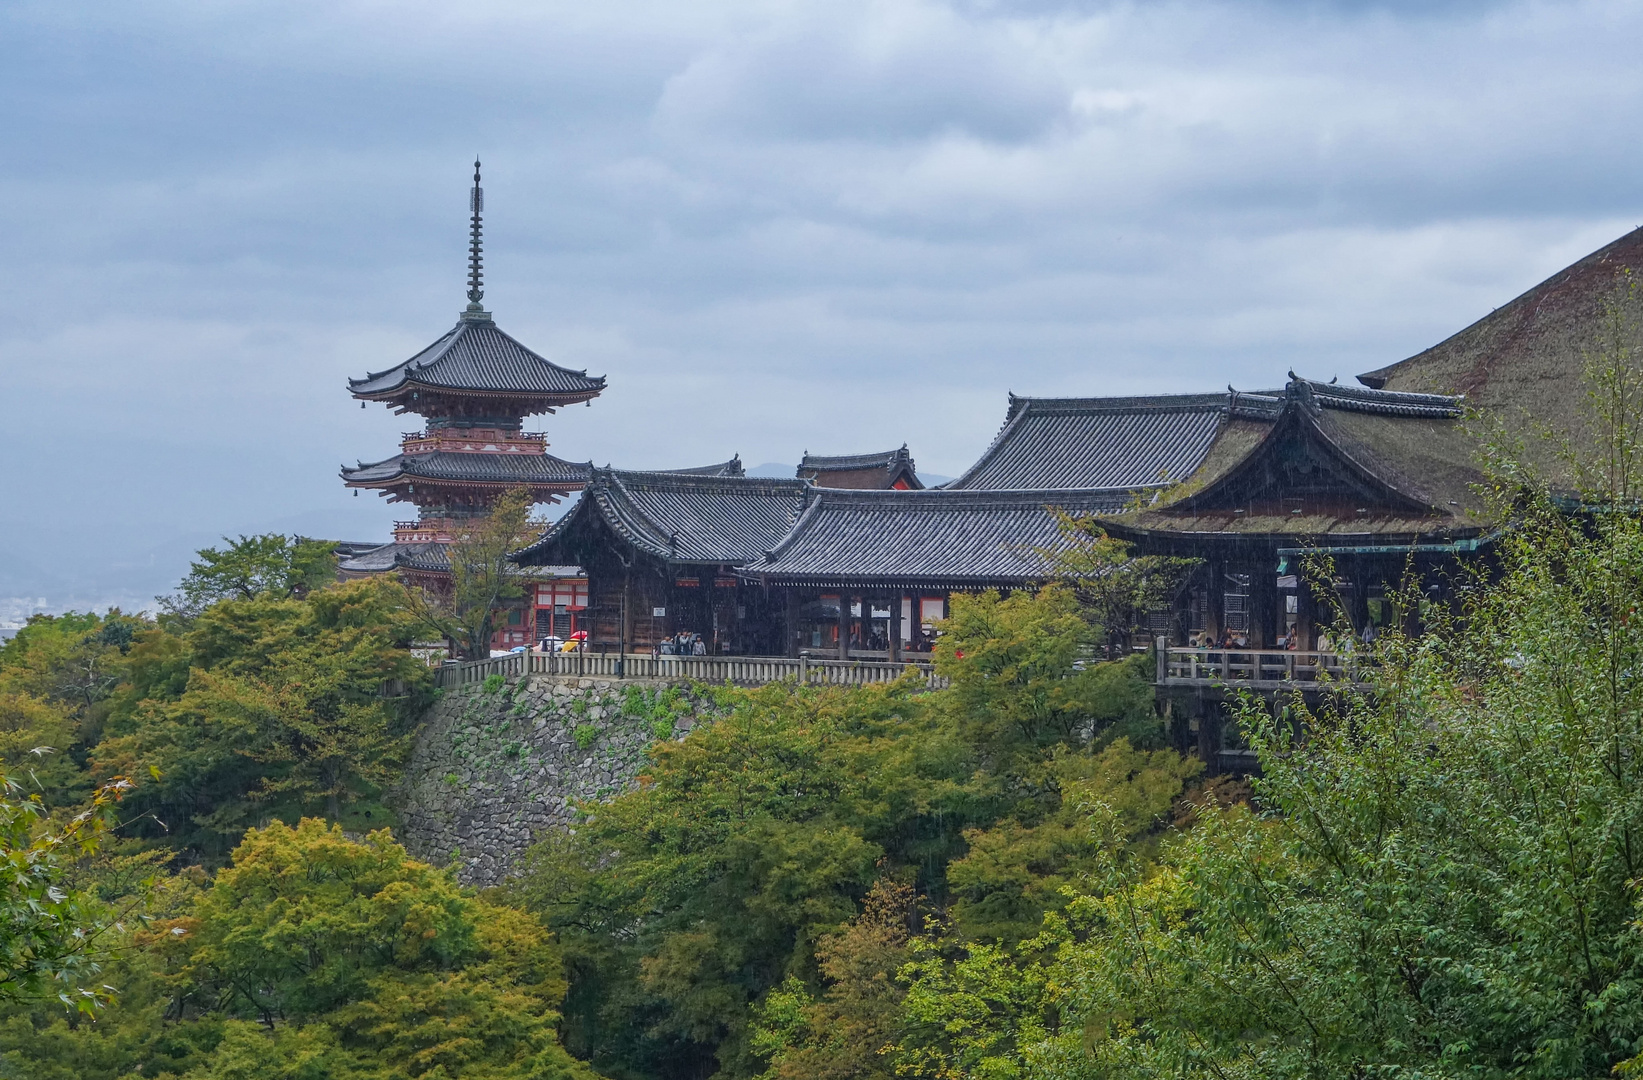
(269, 706)
(685, 901)
(354, 960)
(52, 935)
(483, 576)
(252, 566)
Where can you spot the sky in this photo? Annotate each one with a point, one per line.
(774, 226)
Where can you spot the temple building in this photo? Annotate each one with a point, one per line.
(855, 560)
(473, 389)
(890, 469)
(661, 551)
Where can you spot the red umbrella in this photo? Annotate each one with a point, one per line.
(580, 635)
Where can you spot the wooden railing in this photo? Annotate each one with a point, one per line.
(1261, 669)
(740, 670)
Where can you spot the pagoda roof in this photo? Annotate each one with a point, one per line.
(461, 467)
(1524, 363)
(1100, 442)
(938, 538)
(679, 516)
(477, 357)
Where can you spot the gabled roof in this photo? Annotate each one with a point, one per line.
(1525, 361)
(885, 469)
(475, 356)
(1083, 443)
(394, 556)
(680, 517)
(733, 467)
(1321, 460)
(458, 467)
(938, 539)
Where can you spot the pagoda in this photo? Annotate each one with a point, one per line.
(473, 389)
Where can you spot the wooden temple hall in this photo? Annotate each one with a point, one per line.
(855, 558)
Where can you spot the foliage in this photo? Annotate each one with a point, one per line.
(714, 917)
(1020, 683)
(585, 735)
(316, 956)
(1114, 588)
(278, 700)
(482, 575)
(847, 1031)
(52, 935)
(266, 564)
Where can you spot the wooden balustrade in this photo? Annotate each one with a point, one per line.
(1261, 669)
(716, 670)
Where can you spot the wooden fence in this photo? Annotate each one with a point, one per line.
(740, 670)
(1260, 669)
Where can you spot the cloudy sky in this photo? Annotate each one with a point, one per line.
(778, 226)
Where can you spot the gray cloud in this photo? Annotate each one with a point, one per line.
(776, 226)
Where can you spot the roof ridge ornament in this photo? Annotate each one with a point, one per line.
(476, 258)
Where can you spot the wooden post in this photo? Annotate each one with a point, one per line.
(844, 625)
(1161, 643)
(621, 656)
(895, 627)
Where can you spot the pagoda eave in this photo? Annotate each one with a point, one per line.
(401, 396)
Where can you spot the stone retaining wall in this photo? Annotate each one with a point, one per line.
(496, 763)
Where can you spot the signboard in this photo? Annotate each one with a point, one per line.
(658, 612)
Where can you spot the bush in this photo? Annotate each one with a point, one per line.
(586, 735)
(493, 683)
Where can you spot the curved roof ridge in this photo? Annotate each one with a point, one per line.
(481, 358)
(855, 461)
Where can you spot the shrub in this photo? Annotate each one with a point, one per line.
(586, 735)
(662, 728)
(493, 683)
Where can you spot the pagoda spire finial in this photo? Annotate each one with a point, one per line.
(476, 258)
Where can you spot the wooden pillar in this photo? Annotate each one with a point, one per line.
(844, 625)
(895, 627)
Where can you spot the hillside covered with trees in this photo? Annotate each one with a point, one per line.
(1014, 877)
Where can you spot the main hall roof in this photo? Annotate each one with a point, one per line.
(1084, 443)
(938, 538)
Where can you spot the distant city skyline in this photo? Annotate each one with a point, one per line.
(774, 228)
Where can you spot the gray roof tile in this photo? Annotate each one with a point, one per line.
(940, 538)
(679, 517)
(477, 356)
(1085, 443)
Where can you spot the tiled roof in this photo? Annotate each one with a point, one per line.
(477, 356)
(886, 459)
(394, 555)
(1084, 443)
(679, 517)
(1411, 463)
(938, 538)
(460, 467)
(733, 467)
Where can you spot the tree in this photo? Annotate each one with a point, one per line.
(1114, 588)
(51, 934)
(267, 563)
(482, 575)
(351, 959)
(270, 706)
